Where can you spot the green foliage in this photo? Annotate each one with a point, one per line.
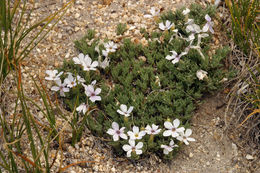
(157, 89)
(246, 31)
(23, 123)
(121, 28)
(15, 29)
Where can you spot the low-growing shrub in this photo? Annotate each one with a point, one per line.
(142, 97)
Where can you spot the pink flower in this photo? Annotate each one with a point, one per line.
(92, 93)
(116, 132)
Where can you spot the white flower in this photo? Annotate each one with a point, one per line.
(80, 80)
(86, 62)
(110, 47)
(53, 75)
(116, 132)
(91, 93)
(184, 137)
(152, 130)
(83, 107)
(167, 25)
(135, 134)
(193, 28)
(153, 12)
(168, 148)
(201, 74)
(175, 57)
(173, 129)
(208, 25)
(124, 110)
(133, 148)
(60, 87)
(186, 11)
(70, 81)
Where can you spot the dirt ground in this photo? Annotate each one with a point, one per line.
(213, 151)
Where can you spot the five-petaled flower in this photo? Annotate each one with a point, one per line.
(53, 75)
(208, 25)
(152, 130)
(184, 137)
(60, 87)
(201, 74)
(173, 129)
(168, 148)
(116, 132)
(137, 149)
(83, 107)
(70, 81)
(123, 110)
(92, 93)
(110, 47)
(175, 57)
(166, 26)
(86, 62)
(136, 134)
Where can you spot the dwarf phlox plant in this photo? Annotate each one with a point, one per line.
(141, 97)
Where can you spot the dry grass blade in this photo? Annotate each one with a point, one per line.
(251, 114)
(73, 164)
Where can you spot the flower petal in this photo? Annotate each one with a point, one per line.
(120, 112)
(115, 137)
(127, 147)
(188, 132)
(55, 88)
(180, 130)
(176, 60)
(138, 152)
(168, 125)
(207, 17)
(115, 126)
(123, 136)
(98, 91)
(169, 57)
(139, 145)
(128, 154)
(123, 107)
(132, 143)
(167, 133)
(111, 131)
(176, 123)
(136, 129)
(205, 27)
(130, 109)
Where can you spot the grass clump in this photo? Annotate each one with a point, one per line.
(121, 28)
(144, 93)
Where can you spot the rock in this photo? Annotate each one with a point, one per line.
(234, 147)
(249, 157)
(191, 155)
